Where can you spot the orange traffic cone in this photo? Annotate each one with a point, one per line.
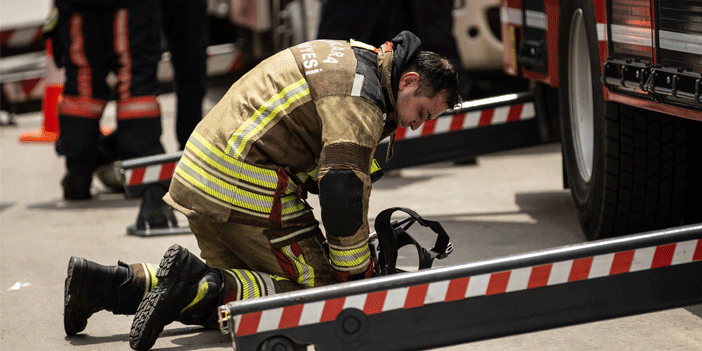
(53, 86)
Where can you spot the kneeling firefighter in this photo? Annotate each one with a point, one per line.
(306, 120)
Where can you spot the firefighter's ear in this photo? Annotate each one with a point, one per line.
(408, 80)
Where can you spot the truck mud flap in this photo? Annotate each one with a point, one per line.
(477, 127)
(452, 305)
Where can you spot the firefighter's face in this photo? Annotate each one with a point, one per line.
(413, 110)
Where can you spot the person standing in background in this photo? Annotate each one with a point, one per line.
(94, 39)
(186, 27)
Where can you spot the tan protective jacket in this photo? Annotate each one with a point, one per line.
(280, 129)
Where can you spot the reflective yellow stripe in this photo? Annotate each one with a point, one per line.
(349, 258)
(228, 165)
(152, 272)
(305, 273)
(215, 187)
(264, 115)
(314, 174)
(293, 234)
(360, 44)
(193, 174)
(201, 292)
(150, 275)
(249, 287)
(375, 166)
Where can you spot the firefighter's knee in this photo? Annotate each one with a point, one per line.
(341, 198)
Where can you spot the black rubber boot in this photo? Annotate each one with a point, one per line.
(76, 183)
(92, 287)
(187, 289)
(155, 213)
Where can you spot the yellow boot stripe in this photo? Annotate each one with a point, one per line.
(150, 273)
(201, 292)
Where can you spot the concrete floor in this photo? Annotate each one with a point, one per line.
(509, 203)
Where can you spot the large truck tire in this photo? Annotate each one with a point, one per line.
(625, 166)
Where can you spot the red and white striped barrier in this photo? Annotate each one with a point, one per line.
(469, 120)
(140, 173)
(149, 174)
(21, 37)
(526, 278)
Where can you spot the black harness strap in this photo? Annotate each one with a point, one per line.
(393, 235)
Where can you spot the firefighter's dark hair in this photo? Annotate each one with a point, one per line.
(436, 74)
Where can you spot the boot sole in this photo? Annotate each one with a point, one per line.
(155, 310)
(75, 278)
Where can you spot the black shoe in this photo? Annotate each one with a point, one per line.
(91, 287)
(155, 213)
(76, 184)
(181, 275)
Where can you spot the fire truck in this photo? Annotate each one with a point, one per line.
(621, 82)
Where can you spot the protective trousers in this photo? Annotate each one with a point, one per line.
(186, 28)
(96, 41)
(260, 261)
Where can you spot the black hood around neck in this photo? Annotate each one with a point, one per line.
(405, 45)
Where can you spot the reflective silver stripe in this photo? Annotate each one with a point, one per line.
(357, 85)
(304, 271)
(259, 281)
(293, 234)
(238, 283)
(243, 136)
(349, 257)
(270, 288)
(535, 19)
(239, 170)
(218, 189)
(302, 177)
(632, 35)
(191, 172)
(249, 288)
(291, 201)
(511, 15)
(314, 174)
(233, 181)
(147, 281)
(683, 42)
(601, 32)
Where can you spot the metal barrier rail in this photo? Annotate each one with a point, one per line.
(446, 306)
(471, 129)
(475, 128)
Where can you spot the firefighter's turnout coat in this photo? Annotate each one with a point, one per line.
(307, 119)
